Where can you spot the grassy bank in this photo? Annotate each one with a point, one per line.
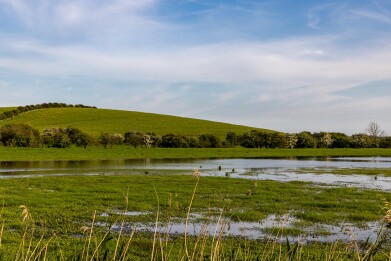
(127, 152)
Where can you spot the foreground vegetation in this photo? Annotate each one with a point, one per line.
(64, 217)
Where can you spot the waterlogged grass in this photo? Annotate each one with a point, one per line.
(60, 206)
(127, 152)
(65, 202)
(284, 231)
(96, 121)
(348, 171)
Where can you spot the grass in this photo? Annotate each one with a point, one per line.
(96, 121)
(127, 152)
(3, 109)
(57, 208)
(64, 202)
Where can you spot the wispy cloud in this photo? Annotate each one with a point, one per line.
(198, 58)
(377, 16)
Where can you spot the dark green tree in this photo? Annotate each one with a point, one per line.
(134, 138)
(305, 140)
(19, 135)
(209, 141)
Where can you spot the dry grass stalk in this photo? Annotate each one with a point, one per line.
(156, 225)
(197, 174)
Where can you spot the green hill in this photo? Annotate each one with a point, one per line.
(96, 121)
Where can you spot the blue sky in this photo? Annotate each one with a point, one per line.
(278, 64)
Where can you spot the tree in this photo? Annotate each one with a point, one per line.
(78, 137)
(292, 140)
(209, 141)
(153, 140)
(231, 139)
(19, 135)
(134, 138)
(327, 140)
(116, 139)
(247, 140)
(277, 140)
(361, 140)
(55, 138)
(340, 140)
(305, 140)
(385, 142)
(375, 132)
(174, 141)
(105, 140)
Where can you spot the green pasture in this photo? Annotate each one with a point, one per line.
(128, 152)
(96, 121)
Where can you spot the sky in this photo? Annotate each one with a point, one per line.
(291, 66)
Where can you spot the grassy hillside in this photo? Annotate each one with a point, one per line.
(96, 121)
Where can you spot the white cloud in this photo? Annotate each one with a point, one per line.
(288, 63)
(380, 17)
(282, 79)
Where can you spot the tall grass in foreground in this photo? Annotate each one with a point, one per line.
(98, 244)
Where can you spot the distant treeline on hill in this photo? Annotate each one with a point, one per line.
(22, 135)
(21, 109)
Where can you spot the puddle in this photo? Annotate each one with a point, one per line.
(259, 230)
(286, 175)
(126, 213)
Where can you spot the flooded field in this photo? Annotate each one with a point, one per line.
(362, 172)
(317, 170)
(273, 227)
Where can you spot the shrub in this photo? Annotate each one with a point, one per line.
(209, 141)
(19, 135)
(55, 138)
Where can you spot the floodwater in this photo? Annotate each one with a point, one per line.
(278, 169)
(271, 228)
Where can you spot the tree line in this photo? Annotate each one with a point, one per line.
(22, 109)
(23, 135)
(305, 139)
